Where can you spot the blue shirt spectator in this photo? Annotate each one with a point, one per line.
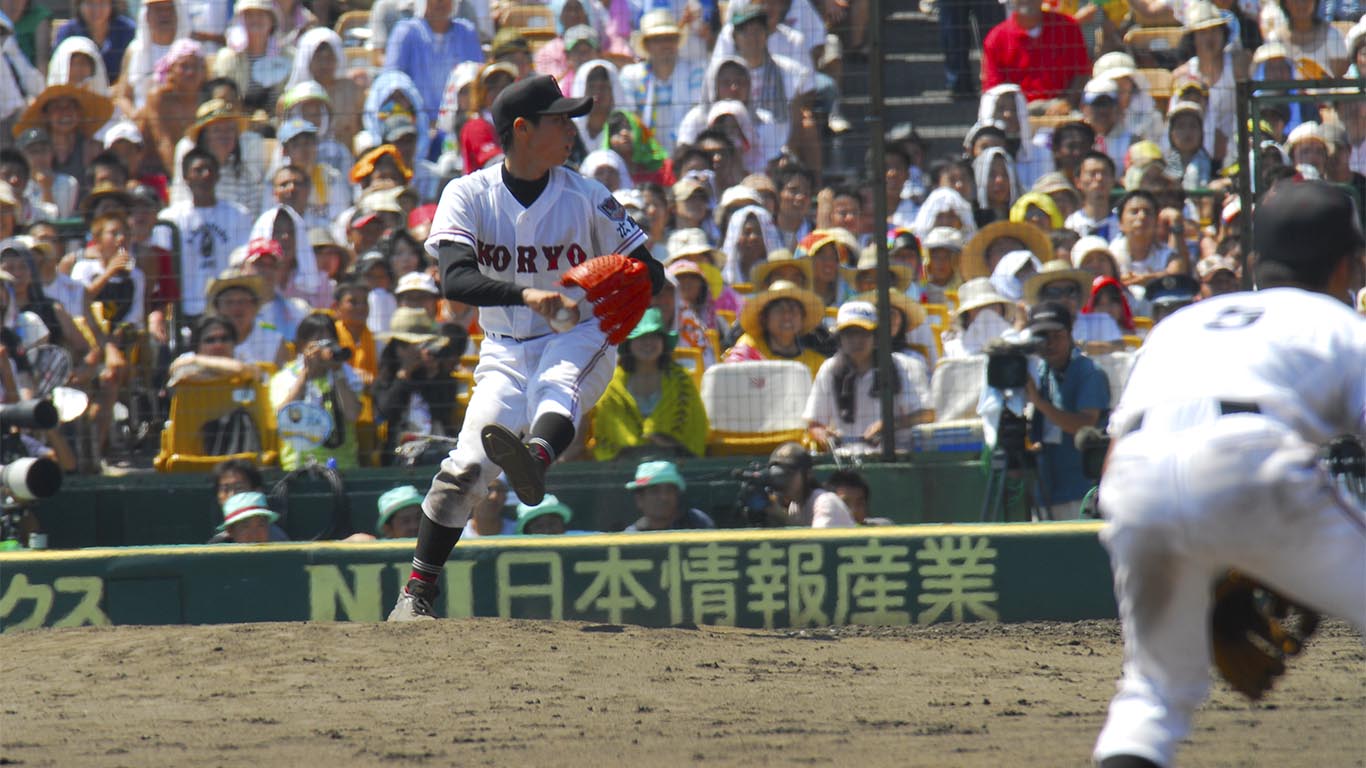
(428, 47)
(115, 42)
(1072, 393)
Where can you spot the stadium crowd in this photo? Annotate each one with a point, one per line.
(213, 191)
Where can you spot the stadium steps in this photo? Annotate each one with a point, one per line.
(914, 84)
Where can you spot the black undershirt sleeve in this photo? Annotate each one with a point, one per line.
(462, 281)
(657, 278)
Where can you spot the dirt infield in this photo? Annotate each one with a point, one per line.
(494, 692)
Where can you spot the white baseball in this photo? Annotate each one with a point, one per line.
(565, 319)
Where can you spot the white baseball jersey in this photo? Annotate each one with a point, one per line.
(573, 219)
(207, 237)
(1299, 356)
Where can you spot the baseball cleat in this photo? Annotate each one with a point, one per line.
(526, 473)
(415, 602)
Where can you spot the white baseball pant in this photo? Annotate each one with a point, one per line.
(1240, 492)
(514, 383)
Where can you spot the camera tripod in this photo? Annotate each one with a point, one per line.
(1010, 455)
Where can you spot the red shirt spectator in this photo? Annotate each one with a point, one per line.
(1042, 52)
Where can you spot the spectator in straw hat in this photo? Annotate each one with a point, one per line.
(657, 491)
(1059, 281)
(844, 406)
(781, 264)
(663, 85)
(983, 253)
(982, 315)
(238, 298)
(774, 322)
(413, 388)
(862, 277)
(71, 115)
(1207, 34)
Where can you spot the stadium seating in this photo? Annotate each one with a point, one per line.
(1116, 366)
(691, 359)
(754, 406)
(194, 404)
(956, 386)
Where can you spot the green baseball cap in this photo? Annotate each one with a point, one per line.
(550, 505)
(653, 322)
(243, 505)
(656, 473)
(393, 500)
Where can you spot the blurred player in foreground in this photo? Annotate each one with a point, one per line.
(1215, 466)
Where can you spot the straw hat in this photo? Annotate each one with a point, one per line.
(1054, 271)
(978, 292)
(656, 23)
(214, 111)
(232, 279)
(758, 275)
(902, 275)
(102, 191)
(95, 109)
(974, 259)
(754, 308)
(411, 325)
(912, 311)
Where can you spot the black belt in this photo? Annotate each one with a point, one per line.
(1226, 408)
(505, 337)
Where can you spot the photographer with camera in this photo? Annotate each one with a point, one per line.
(797, 498)
(1071, 393)
(317, 381)
(414, 391)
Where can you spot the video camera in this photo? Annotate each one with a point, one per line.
(1008, 361)
(337, 352)
(757, 483)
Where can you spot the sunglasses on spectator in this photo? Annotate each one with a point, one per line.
(232, 489)
(1064, 291)
(216, 340)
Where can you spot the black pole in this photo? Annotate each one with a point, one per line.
(884, 276)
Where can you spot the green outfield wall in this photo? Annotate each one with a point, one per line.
(143, 509)
(746, 578)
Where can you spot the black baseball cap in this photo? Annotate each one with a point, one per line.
(1171, 289)
(1049, 316)
(1305, 228)
(533, 97)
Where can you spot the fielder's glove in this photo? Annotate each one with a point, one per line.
(1255, 630)
(619, 289)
